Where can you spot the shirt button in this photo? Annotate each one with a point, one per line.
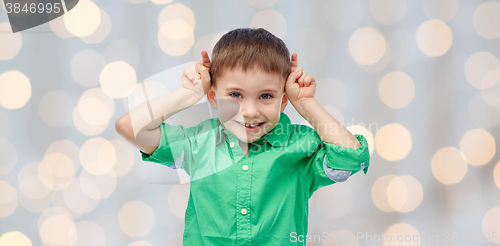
(243, 211)
(245, 167)
(231, 144)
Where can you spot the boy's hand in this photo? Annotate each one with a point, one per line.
(197, 77)
(300, 86)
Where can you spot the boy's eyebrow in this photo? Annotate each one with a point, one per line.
(238, 89)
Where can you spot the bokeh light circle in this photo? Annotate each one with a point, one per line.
(10, 43)
(367, 46)
(480, 69)
(434, 37)
(272, 21)
(496, 174)
(393, 142)
(486, 20)
(8, 199)
(479, 147)
(408, 235)
(136, 218)
(8, 157)
(16, 238)
(379, 193)
(397, 193)
(98, 187)
(15, 89)
(482, 113)
(449, 165)
(30, 182)
(491, 224)
(118, 79)
(415, 194)
(177, 11)
(58, 229)
(396, 89)
(83, 19)
(176, 37)
(98, 156)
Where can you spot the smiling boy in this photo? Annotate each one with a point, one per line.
(252, 172)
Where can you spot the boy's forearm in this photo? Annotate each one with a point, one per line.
(327, 127)
(148, 115)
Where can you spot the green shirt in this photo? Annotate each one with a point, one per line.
(259, 200)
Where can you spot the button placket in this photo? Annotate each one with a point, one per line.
(243, 203)
(233, 144)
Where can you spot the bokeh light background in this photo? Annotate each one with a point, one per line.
(419, 79)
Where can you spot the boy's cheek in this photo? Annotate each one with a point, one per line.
(227, 109)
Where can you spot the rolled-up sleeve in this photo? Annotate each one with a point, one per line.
(332, 163)
(171, 149)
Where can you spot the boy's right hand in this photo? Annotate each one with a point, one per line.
(197, 78)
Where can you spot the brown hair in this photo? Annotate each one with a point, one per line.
(249, 47)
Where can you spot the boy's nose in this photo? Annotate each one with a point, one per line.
(250, 110)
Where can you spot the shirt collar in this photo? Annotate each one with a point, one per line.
(277, 137)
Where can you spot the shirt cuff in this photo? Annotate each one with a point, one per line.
(348, 158)
(163, 153)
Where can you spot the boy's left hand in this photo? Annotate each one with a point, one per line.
(300, 86)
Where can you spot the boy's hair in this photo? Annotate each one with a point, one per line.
(249, 47)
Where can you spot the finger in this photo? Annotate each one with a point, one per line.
(308, 80)
(205, 76)
(295, 62)
(302, 78)
(206, 59)
(292, 78)
(194, 74)
(188, 73)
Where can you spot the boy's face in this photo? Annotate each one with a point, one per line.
(248, 97)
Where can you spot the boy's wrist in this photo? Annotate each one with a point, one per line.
(194, 96)
(303, 105)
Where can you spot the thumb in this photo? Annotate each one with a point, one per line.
(205, 76)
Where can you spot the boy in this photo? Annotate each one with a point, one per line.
(252, 172)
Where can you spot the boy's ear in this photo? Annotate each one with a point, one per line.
(284, 102)
(211, 97)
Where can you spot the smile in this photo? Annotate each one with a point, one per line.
(250, 127)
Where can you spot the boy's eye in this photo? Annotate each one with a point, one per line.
(266, 96)
(234, 93)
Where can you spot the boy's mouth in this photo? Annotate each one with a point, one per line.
(248, 125)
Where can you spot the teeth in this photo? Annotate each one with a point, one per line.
(247, 125)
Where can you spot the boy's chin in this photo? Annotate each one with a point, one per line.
(249, 140)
